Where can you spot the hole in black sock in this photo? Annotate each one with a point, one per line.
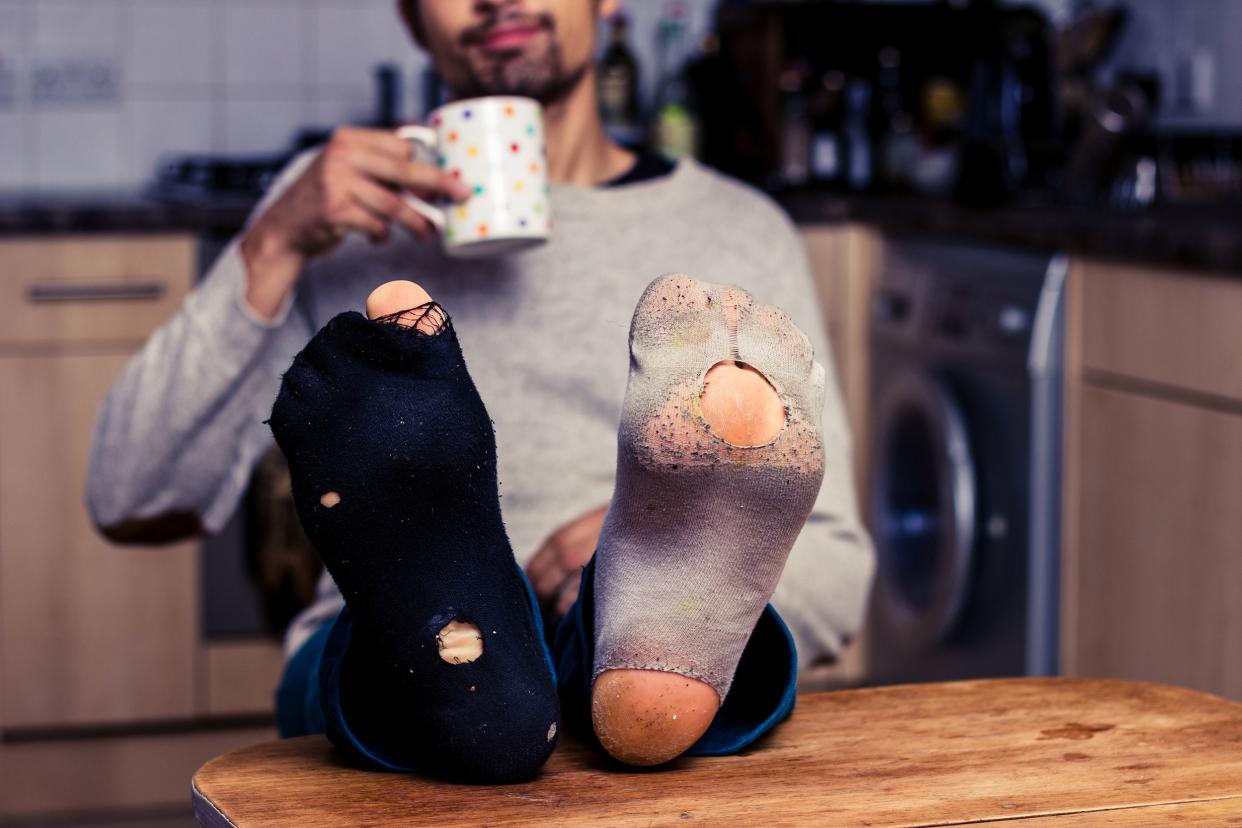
(459, 642)
(427, 319)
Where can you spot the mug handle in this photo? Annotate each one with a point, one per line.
(426, 137)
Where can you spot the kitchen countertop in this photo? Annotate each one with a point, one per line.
(1202, 238)
(24, 214)
(1186, 237)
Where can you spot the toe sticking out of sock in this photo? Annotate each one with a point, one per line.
(428, 319)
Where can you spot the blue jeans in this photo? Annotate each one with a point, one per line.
(309, 697)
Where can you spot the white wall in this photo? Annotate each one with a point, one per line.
(93, 92)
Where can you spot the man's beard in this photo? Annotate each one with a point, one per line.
(541, 76)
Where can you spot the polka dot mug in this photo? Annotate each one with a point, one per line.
(495, 146)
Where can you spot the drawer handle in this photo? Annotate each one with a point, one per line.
(94, 291)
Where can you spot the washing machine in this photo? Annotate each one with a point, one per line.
(965, 462)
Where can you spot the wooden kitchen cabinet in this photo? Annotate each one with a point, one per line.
(109, 697)
(1152, 529)
(844, 259)
(90, 633)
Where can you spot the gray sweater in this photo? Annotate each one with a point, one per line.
(544, 335)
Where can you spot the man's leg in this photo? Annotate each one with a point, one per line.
(298, 712)
(438, 662)
(719, 462)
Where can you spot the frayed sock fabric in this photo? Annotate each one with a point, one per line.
(393, 464)
(699, 530)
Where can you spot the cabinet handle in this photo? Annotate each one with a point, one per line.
(94, 291)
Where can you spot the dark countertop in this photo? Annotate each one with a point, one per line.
(28, 214)
(1198, 238)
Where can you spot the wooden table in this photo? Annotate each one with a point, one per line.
(1047, 752)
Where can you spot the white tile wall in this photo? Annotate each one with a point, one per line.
(76, 149)
(263, 47)
(242, 75)
(162, 127)
(219, 76)
(258, 126)
(173, 46)
(12, 151)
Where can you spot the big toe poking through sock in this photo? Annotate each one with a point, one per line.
(393, 463)
(719, 461)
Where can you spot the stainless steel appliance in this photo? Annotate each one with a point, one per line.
(966, 361)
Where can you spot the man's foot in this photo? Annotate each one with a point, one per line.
(393, 462)
(719, 462)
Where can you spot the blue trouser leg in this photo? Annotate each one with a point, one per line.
(309, 699)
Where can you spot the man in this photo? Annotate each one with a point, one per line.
(542, 331)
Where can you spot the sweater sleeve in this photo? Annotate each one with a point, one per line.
(822, 594)
(182, 427)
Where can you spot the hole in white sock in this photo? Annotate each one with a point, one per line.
(329, 499)
(748, 413)
(459, 642)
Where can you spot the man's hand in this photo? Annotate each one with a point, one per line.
(354, 184)
(555, 571)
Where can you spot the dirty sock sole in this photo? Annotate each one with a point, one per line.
(393, 463)
(698, 530)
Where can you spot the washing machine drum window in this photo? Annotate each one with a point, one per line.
(923, 510)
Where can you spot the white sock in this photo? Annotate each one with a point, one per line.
(698, 530)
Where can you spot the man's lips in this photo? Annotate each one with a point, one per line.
(505, 38)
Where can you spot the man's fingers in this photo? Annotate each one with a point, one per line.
(568, 593)
(387, 204)
(402, 172)
(547, 582)
(381, 141)
(539, 563)
(579, 539)
(357, 217)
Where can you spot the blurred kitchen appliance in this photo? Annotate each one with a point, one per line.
(964, 500)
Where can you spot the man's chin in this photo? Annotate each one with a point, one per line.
(538, 76)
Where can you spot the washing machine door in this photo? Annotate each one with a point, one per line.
(923, 501)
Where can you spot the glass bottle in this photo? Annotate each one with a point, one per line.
(618, 86)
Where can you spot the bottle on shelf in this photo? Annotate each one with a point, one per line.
(618, 86)
(674, 131)
(827, 140)
(899, 143)
(859, 157)
(795, 126)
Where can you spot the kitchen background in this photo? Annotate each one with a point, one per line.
(1021, 219)
(145, 78)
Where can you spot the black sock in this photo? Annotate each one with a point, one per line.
(393, 461)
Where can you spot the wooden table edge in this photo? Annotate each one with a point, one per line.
(210, 815)
(206, 811)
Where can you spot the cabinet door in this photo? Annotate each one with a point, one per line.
(1153, 553)
(90, 632)
(843, 259)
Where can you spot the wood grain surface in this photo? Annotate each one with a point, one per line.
(912, 755)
